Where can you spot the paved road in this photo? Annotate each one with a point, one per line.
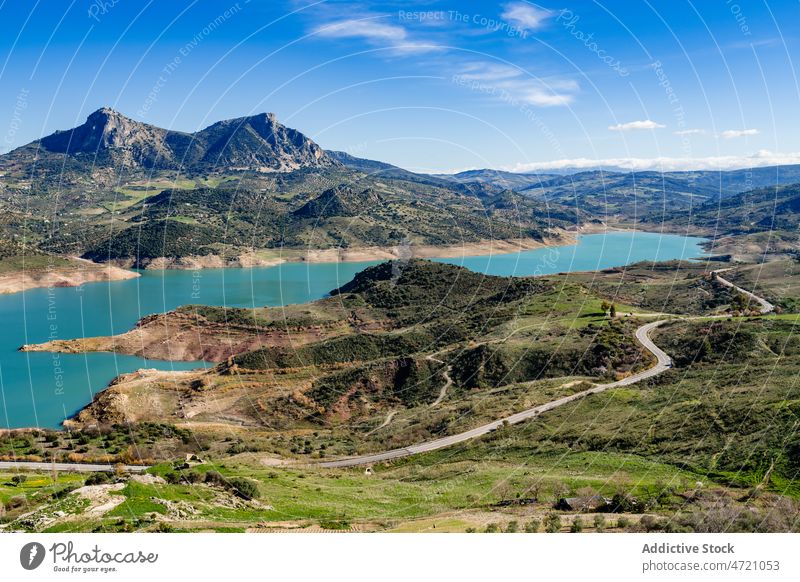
(73, 467)
(663, 362)
(764, 305)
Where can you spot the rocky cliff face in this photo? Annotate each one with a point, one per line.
(108, 138)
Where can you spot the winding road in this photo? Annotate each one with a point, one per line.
(663, 362)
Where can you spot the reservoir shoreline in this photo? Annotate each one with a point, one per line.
(85, 271)
(31, 386)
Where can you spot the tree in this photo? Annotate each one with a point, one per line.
(612, 311)
(19, 479)
(605, 306)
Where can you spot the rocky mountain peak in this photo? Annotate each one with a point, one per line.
(258, 142)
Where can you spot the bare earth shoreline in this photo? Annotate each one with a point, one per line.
(75, 274)
(81, 271)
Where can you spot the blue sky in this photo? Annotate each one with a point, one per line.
(430, 86)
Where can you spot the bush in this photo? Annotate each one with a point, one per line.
(191, 477)
(492, 528)
(19, 479)
(97, 479)
(532, 526)
(552, 523)
(215, 478)
(649, 523)
(16, 502)
(244, 488)
(335, 524)
(577, 525)
(623, 522)
(512, 527)
(599, 522)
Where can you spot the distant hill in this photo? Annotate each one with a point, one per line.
(499, 178)
(764, 209)
(611, 193)
(384, 170)
(700, 182)
(638, 195)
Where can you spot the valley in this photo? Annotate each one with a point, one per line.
(225, 415)
(301, 339)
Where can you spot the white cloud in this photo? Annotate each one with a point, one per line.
(488, 72)
(636, 125)
(544, 97)
(515, 86)
(690, 132)
(375, 32)
(524, 15)
(359, 28)
(734, 133)
(666, 164)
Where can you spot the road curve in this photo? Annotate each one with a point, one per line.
(764, 305)
(663, 362)
(73, 467)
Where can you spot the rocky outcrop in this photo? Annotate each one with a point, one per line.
(110, 139)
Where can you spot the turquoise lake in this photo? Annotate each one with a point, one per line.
(42, 389)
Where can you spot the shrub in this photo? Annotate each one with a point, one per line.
(512, 527)
(335, 524)
(649, 523)
(492, 528)
(244, 488)
(191, 477)
(215, 478)
(532, 526)
(19, 479)
(577, 525)
(599, 522)
(97, 479)
(16, 502)
(552, 523)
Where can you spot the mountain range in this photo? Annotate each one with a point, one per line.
(118, 189)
